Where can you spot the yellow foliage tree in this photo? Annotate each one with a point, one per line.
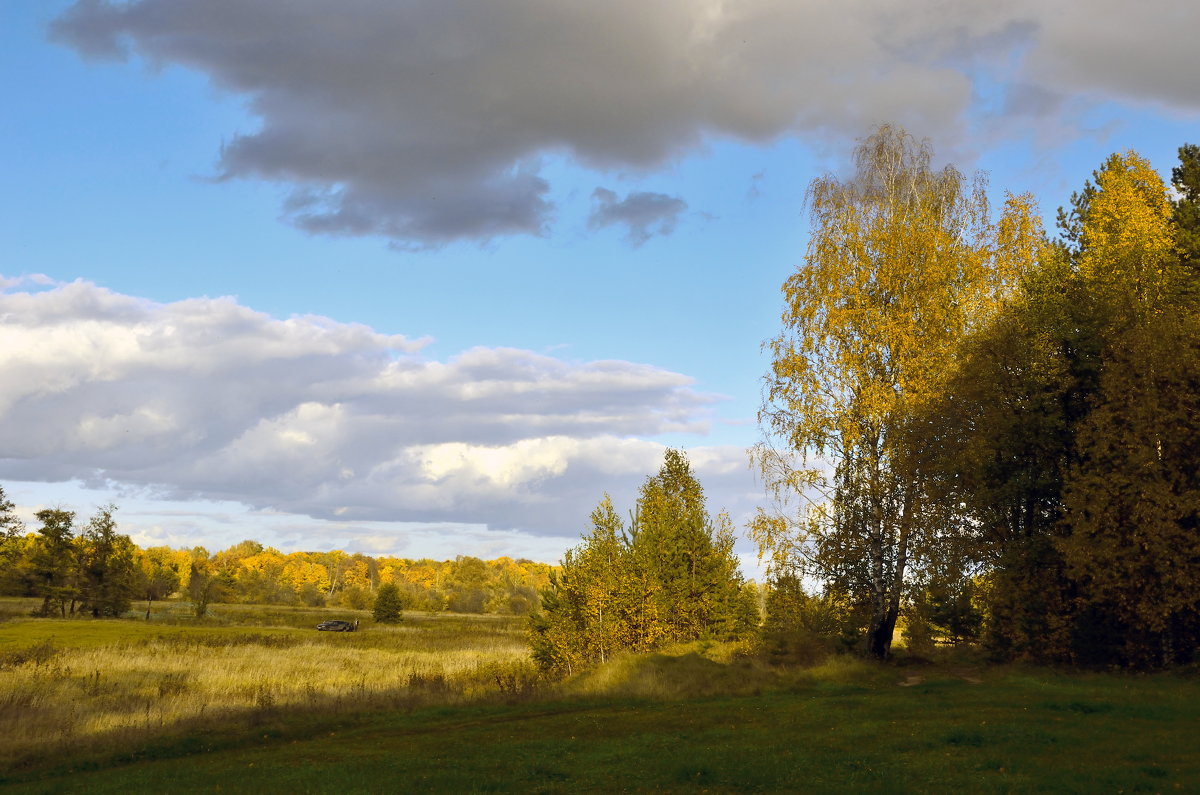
(1132, 496)
(903, 261)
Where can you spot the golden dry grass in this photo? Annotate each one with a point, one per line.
(75, 685)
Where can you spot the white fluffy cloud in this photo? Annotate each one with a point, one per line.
(424, 121)
(208, 399)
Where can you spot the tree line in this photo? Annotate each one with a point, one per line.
(95, 570)
(972, 422)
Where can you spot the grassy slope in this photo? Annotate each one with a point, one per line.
(1017, 730)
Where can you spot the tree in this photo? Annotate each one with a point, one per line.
(800, 628)
(670, 576)
(995, 447)
(208, 580)
(686, 554)
(1067, 439)
(11, 531)
(157, 577)
(592, 608)
(903, 261)
(54, 566)
(1185, 217)
(107, 561)
(388, 607)
(1132, 495)
(11, 527)
(13, 575)
(466, 583)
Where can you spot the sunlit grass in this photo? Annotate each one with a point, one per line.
(72, 685)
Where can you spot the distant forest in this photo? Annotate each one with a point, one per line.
(90, 569)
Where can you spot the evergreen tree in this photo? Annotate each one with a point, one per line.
(670, 576)
(1186, 211)
(687, 555)
(388, 609)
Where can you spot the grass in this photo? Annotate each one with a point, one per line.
(73, 687)
(453, 714)
(1018, 731)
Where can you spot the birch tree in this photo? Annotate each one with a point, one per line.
(903, 261)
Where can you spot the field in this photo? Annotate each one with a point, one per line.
(255, 700)
(73, 686)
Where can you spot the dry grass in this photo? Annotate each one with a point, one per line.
(78, 685)
(709, 669)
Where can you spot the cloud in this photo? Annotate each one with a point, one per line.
(642, 214)
(35, 279)
(208, 399)
(425, 121)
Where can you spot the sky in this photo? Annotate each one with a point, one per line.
(430, 277)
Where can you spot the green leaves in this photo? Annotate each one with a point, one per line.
(388, 608)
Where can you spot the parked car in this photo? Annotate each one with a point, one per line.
(337, 625)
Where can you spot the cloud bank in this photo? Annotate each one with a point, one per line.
(425, 121)
(208, 399)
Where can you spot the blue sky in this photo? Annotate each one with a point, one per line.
(428, 278)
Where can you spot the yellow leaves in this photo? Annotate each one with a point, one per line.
(903, 262)
(357, 575)
(264, 562)
(298, 572)
(1127, 241)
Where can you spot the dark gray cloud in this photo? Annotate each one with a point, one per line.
(425, 121)
(208, 399)
(643, 214)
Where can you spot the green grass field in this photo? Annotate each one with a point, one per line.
(462, 718)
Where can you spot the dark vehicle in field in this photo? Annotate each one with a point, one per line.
(337, 625)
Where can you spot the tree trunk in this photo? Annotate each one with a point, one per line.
(879, 637)
(883, 623)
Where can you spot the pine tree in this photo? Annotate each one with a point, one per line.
(687, 555)
(670, 576)
(1185, 178)
(388, 608)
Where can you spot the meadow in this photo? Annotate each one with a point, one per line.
(70, 687)
(253, 699)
